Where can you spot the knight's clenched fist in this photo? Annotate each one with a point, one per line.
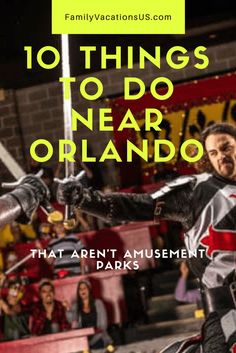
(69, 191)
(19, 204)
(30, 193)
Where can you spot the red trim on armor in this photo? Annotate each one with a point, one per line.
(192, 340)
(219, 240)
(233, 348)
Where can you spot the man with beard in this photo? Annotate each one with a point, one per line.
(48, 315)
(205, 204)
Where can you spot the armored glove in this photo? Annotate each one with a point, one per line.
(29, 193)
(70, 191)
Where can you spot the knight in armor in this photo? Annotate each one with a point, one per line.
(205, 204)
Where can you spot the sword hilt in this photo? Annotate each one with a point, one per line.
(70, 178)
(53, 216)
(69, 220)
(16, 183)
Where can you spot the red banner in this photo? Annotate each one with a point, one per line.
(192, 107)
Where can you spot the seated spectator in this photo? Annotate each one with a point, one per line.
(65, 265)
(45, 231)
(82, 222)
(90, 312)
(49, 314)
(181, 292)
(48, 178)
(19, 273)
(14, 314)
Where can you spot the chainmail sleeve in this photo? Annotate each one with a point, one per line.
(117, 206)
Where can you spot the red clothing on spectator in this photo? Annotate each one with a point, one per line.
(39, 318)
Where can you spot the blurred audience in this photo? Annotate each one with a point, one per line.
(11, 260)
(101, 224)
(84, 222)
(65, 263)
(16, 233)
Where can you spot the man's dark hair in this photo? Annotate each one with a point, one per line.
(46, 283)
(13, 282)
(218, 128)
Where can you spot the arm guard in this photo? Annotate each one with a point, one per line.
(117, 206)
(174, 201)
(21, 203)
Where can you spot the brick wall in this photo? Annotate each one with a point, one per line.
(10, 131)
(40, 113)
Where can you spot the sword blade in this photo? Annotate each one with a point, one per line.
(67, 109)
(67, 103)
(15, 169)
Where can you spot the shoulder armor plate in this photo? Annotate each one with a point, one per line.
(174, 184)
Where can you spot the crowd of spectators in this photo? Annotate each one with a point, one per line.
(47, 315)
(182, 292)
(23, 318)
